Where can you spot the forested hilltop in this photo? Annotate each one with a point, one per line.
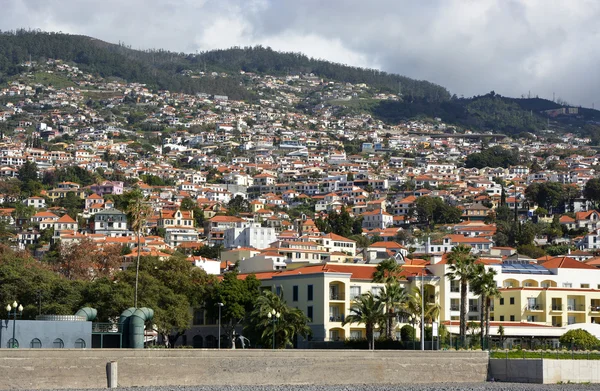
(219, 72)
(163, 69)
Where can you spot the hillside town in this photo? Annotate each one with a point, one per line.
(306, 191)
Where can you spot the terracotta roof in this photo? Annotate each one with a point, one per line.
(566, 263)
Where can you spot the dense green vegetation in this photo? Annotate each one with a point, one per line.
(493, 157)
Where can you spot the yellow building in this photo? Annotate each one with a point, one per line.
(325, 293)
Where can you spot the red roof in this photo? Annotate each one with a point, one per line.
(566, 263)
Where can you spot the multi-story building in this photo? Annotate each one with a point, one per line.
(246, 234)
(111, 222)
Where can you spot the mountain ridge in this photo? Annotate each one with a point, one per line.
(162, 69)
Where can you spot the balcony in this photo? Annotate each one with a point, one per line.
(337, 296)
(556, 307)
(338, 318)
(454, 307)
(534, 307)
(473, 308)
(595, 307)
(576, 308)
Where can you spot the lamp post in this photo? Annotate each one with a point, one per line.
(219, 332)
(422, 313)
(15, 308)
(274, 318)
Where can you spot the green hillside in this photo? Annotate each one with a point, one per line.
(161, 69)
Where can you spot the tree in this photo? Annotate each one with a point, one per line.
(591, 191)
(366, 310)
(461, 266)
(238, 205)
(138, 212)
(238, 297)
(386, 271)
(546, 194)
(292, 322)
(484, 285)
(28, 175)
(580, 338)
(393, 298)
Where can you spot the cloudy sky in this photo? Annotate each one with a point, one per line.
(469, 46)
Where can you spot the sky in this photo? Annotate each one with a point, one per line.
(543, 48)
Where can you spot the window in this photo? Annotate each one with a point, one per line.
(512, 300)
(375, 290)
(531, 318)
(585, 286)
(79, 344)
(354, 292)
(12, 343)
(36, 343)
(512, 318)
(278, 290)
(502, 301)
(198, 317)
(501, 318)
(567, 285)
(454, 304)
(355, 334)
(295, 293)
(309, 313)
(58, 344)
(455, 286)
(309, 295)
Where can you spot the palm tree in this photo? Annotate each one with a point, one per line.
(138, 213)
(460, 267)
(393, 298)
(485, 286)
(386, 271)
(413, 306)
(369, 311)
(291, 322)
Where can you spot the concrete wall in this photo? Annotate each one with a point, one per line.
(50, 369)
(576, 371)
(517, 370)
(545, 371)
(46, 331)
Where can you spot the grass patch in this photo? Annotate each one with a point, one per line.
(51, 79)
(548, 354)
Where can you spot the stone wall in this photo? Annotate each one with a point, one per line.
(75, 368)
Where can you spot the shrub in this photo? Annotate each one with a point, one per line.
(407, 333)
(580, 338)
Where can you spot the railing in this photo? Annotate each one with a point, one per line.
(557, 307)
(336, 296)
(454, 308)
(339, 318)
(576, 307)
(595, 308)
(473, 308)
(106, 328)
(533, 307)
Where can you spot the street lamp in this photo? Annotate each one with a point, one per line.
(219, 332)
(274, 318)
(15, 308)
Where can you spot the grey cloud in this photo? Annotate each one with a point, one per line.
(469, 46)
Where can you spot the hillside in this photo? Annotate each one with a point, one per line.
(163, 69)
(218, 72)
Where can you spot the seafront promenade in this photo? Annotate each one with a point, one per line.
(85, 369)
